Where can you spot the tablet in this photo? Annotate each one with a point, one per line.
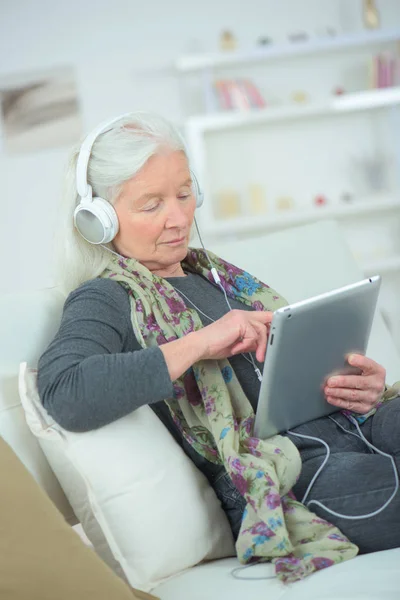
(309, 341)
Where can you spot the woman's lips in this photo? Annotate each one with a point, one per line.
(176, 242)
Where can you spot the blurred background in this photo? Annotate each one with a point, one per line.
(290, 109)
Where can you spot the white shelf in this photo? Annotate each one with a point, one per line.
(366, 100)
(291, 218)
(381, 266)
(197, 62)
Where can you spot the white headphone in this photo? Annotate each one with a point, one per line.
(95, 218)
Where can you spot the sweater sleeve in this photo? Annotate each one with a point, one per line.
(95, 371)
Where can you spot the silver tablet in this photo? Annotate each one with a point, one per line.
(309, 341)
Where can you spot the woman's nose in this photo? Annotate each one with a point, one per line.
(177, 214)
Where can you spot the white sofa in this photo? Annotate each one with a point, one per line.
(299, 263)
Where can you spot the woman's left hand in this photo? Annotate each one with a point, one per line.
(358, 393)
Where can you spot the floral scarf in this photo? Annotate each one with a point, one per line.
(216, 418)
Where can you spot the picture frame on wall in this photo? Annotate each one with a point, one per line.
(40, 110)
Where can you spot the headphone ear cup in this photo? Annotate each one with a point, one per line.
(199, 199)
(96, 221)
(197, 190)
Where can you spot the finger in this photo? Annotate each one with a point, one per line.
(248, 339)
(357, 382)
(363, 402)
(261, 342)
(244, 346)
(354, 406)
(367, 365)
(353, 394)
(264, 316)
(248, 344)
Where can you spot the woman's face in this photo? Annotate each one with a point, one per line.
(155, 211)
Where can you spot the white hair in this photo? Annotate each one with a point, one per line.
(117, 155)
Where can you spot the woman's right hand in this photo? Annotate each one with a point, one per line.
(237, 331)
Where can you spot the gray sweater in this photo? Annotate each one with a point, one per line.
(95, 371)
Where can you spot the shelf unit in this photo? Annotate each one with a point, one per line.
(198, 127)
(360, 101)
(292, 218)
(205, 137)
(200, 62)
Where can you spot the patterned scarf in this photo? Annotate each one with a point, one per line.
(216, 418)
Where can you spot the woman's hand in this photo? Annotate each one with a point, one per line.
(358, 393)
(237, 331)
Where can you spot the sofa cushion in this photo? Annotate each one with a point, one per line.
(28, 323)
(368, 577)
(142, 503)
(41, 557)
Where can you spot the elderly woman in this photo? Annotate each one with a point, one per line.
(149, 321)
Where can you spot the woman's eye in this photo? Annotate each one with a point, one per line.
(151, 208)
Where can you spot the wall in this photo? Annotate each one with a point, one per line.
(118, 50)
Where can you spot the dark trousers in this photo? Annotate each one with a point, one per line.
(355, 481)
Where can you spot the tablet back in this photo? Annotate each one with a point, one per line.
(308, 342)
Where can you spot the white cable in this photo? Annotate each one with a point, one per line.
(208, 256)
(196, 307)
(226, 297)
(312, 482)
(347, 431)
(254, 564)
(217, 280)
(362, 437)
(112, 251)
(317, 474)
(214, 271)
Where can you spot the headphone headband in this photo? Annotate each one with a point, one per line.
(82, 186)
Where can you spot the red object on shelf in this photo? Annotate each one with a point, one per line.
(338, 91)
(320, 200)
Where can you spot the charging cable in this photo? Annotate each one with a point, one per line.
(218, 282)
(359, 435)
(236, 570)
(319, 471)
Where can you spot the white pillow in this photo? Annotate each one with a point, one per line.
(142, 503)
